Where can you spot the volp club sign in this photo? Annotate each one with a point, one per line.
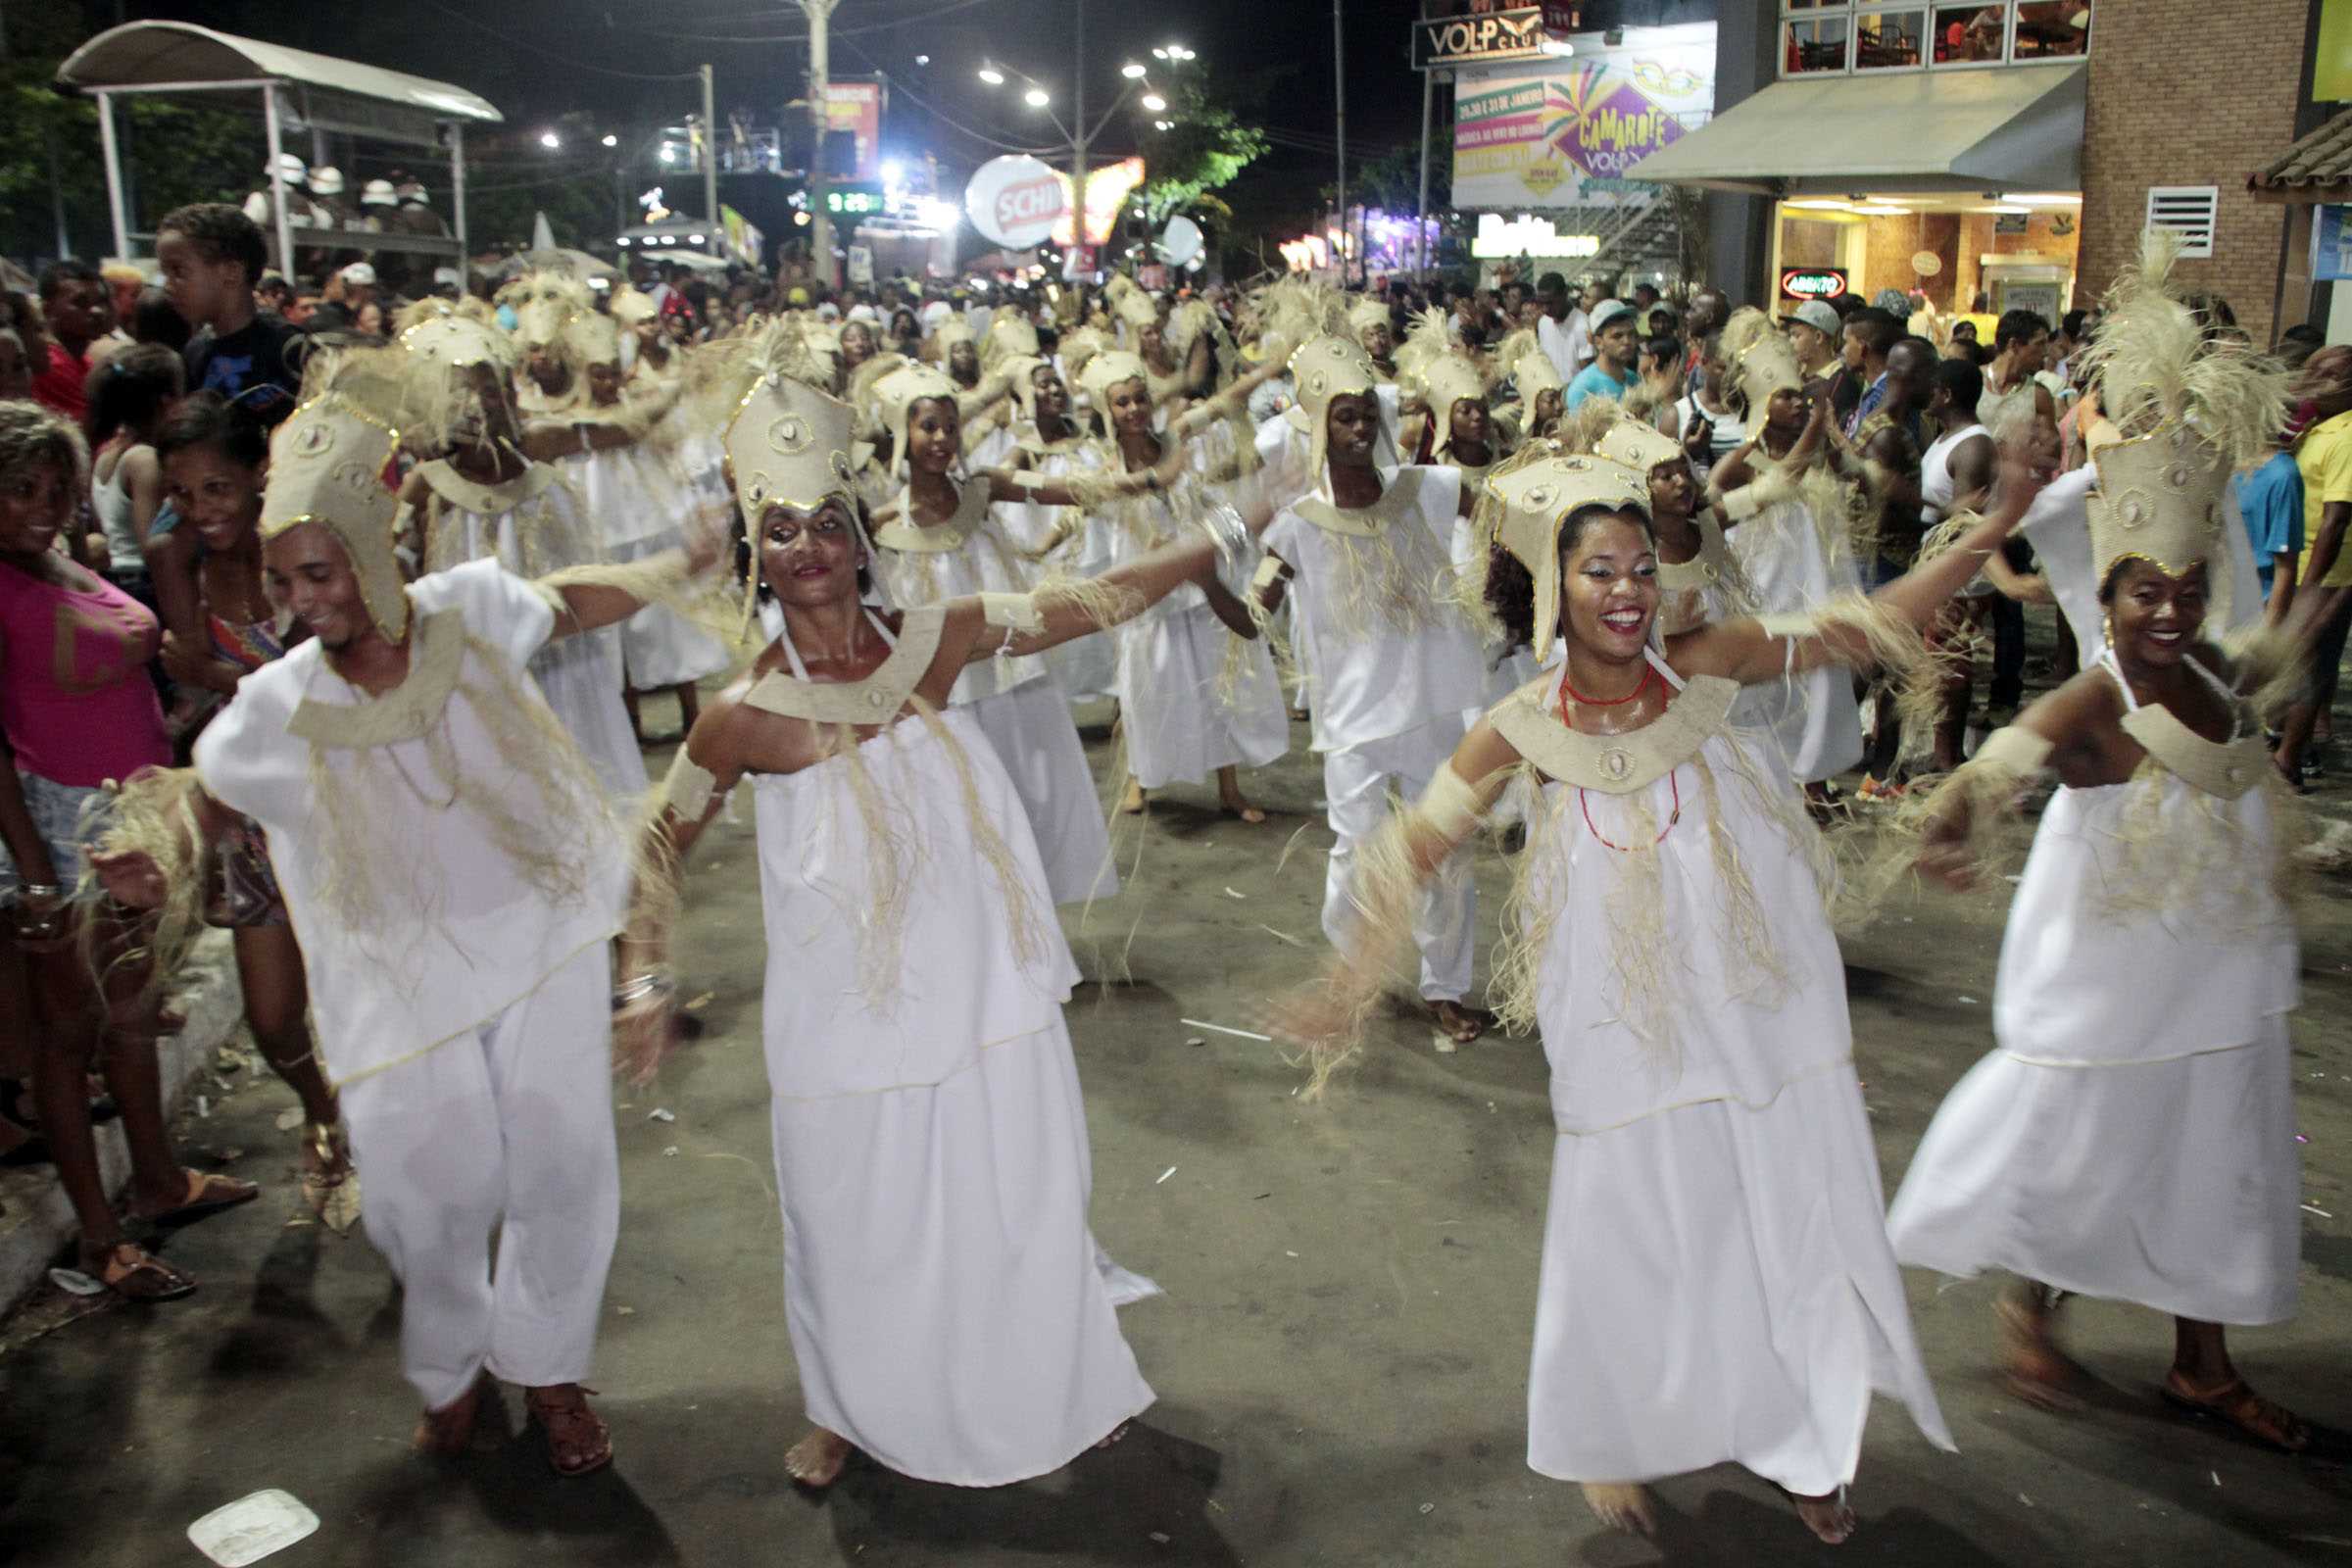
(1016, 201)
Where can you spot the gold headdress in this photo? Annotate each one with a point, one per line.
(1134, 308)
(1761, 358)
(951, 331)
(326, 466)
(1534, 498)
(1078, 345)
(1020, 370)
(1009, 337)
(1367, 312)
(895, 395)
(1328, 368)
(1444, 382)
(2189, 409)
(1428, 338)
(1638, 446)
(591, 338)
(1107, 369)
(544, 302)
(1535, 374)
(436, 399)
(631, 306)
(788, 445)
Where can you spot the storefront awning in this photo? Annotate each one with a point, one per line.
(2019, 127)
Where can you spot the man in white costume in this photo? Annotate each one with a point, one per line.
(454, 877)
(1395, 664)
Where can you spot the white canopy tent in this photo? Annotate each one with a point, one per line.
(298, 90)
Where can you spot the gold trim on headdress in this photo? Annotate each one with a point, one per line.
(788, 445)
(895, 394)
(1107, 369)
(1446, 383)
(326, 466)
(1009, 337)
(591, 338)
(1761, 360)
(544, 303)
(1638, 446)
(1535, 374)
(1325, 368)
(1537, 497)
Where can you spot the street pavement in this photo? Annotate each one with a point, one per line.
(1341, 1355)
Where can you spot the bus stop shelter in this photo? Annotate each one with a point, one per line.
(298, 92)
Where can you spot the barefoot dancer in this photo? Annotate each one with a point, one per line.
(2131, 1136)
(1716, 1282)
(1187, 705)
(212, 460)
(951, 1312)
(1395, 661)
(454, 874)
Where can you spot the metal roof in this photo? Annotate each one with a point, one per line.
(2019, 127)
(152, 55)
(2316, 169)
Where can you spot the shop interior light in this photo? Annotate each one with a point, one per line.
(1880, 210)
(2046, 198)
(2006, 209)
(1818, 204)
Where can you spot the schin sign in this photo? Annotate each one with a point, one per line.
(1812, 283)
(1016, 201)
(1478, 40)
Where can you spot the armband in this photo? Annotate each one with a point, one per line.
(1449, 807)
(1012, 612)
(2016, 749)
(1788, 624)
(688, 788)
(1743, 503)
(1019, 483)
(1270, 572)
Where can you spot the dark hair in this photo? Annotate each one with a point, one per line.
(129, 389)
(221, 233)
(1845, 305)
(2070, 324)
(209, 420)
(56, 275)
(2017, 326)
(2303, 333)
(154, 321)
(1665, 348)
(1511, 589)
(1964, 382)
(1551, 283)
(1878, 330)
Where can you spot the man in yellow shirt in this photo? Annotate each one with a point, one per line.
(2325, 607)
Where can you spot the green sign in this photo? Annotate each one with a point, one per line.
(853, 201)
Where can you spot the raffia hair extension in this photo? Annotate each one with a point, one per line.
(153, 813)
(1762, 978)
(1382, 893)
(1890, 643)
(1531, 910)
(1979, 799)
(2208, 875)
(893, 873)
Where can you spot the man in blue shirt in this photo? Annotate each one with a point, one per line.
(1615, 343)
(2271, 500)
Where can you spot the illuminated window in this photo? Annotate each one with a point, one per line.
(1888, 40)
(1815, 44)
(1851, 36)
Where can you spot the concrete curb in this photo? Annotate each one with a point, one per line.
(39, 1222)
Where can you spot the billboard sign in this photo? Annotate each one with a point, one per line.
(855, 107)
(1564, 133)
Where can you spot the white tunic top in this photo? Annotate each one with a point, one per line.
(1381, 669)
(463, 934)
(968, 554)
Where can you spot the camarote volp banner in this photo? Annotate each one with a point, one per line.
(1563, 134)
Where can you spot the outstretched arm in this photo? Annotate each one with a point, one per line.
(587, 598)
(701, 777)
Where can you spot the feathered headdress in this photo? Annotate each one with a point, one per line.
(1762, 360)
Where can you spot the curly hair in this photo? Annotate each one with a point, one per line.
(1510, 588)
(30, 434)
(209, 420)
(221, 233)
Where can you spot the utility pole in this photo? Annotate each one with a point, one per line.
(1421, 202)
(1078, 133)
(821, 70)
(1338, 87)
(709, 161)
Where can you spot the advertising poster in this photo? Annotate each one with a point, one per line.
(856, 107)
(1565, 132)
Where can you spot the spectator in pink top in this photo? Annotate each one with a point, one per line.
(77, 708)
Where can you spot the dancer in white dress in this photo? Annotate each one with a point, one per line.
(1716, 1280)
(2131, 1136)
(938, 541)
(950, 1310)
(1192, 702)
(491, 491)
(1052, 443)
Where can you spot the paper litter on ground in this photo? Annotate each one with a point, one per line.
(252, 1528)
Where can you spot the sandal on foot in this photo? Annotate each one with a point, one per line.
(330, 1186)
(579, 1442)
(138, 1275)
(449, 1431)
(207, 1194)
(2241, 1408)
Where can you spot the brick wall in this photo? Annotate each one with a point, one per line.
(2190, 92)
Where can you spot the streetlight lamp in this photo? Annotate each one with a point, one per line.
(612, 141)
(1078, 133)
(551, 141)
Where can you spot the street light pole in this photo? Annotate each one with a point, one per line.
(1078, 131)
(1339, 83)
(710, 157)
(821, 70)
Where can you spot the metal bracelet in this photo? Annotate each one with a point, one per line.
(40, 889)
(637, 988)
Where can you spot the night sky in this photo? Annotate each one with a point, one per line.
(528, 57)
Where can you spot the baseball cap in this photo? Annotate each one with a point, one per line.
(1815, 314)
(1609, 310)
(359, 275)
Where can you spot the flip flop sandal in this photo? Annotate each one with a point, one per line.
(2242, 1410)
(207, 1196)
(137, 1275)
(567, 1424)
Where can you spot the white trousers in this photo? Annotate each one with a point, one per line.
(1355, 786)
(506, 1128)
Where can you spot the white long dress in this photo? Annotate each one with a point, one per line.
(534, 525)
(1085, 667)
(1193, 698)
(1716, 1282)
(951, 1312)
(2132, 1134)
(1014, 701)
(1814, 717)
(642, 500)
